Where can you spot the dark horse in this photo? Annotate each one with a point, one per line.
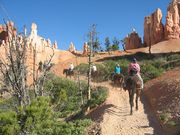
(94, 75)
(68, 72)
(133, 87)
(118, 79)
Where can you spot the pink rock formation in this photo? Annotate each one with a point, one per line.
(72, 48)
(7, 31)
(55, 45)
(153, 28)
(172, 26)
(85, 49)
(3, 34)
(133, 41)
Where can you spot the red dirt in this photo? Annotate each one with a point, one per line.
(163, 94)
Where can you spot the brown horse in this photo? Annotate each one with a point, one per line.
(118, 79)
(133, 88)
(94, 75)
(68, 72)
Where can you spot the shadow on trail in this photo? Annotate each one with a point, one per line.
(98, 113)
(153, 122)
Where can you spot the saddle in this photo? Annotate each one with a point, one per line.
(117, 76)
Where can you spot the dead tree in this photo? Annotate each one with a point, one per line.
(13, 66)
(40, 74)
(92, 37)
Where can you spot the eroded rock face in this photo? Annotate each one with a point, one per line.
(7, 31)
(85, 49)
(153, 28)
(172, 26)
(72, 48)
(55, 45)
(133, 41)
(3, 34)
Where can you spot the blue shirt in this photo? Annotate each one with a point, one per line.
(117, 70)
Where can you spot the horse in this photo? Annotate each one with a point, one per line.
(94, 75)
(68, 72)
(133, 87)
(118, 79)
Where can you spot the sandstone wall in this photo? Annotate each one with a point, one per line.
(172, 26)
(155, 32)
(153, 28)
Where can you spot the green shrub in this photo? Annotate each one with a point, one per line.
(149, 72)
(9, 123)
(82, 68)
(67, 98)
(99, 95)
(173, 57)
(157, 63)
(102, 73)
(171, 123)
(166, 118)
(65, 95)
(39, 119)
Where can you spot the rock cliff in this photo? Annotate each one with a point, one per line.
(133, 41)
(172, 26)
(153, 28)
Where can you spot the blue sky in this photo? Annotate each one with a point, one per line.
(69, 20)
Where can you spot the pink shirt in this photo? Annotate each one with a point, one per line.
(134, 66)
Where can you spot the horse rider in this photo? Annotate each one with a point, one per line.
(71, 67)
(94, 68)
(134, 69)
(117, 69)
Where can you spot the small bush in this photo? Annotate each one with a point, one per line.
(149, 72)
(82, 68)
(173, 57)
(99, 95)
(65, 95)
(39, 119)
(9, 123)
(171, 123)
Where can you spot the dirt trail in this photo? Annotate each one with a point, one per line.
(115, 119)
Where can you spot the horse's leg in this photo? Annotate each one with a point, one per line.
(114, 82)
(138, 92)
(121, 84)
(132, 96)
(137, 96)
(131, 101)
(66, 74)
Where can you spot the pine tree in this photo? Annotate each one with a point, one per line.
(107, 44)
